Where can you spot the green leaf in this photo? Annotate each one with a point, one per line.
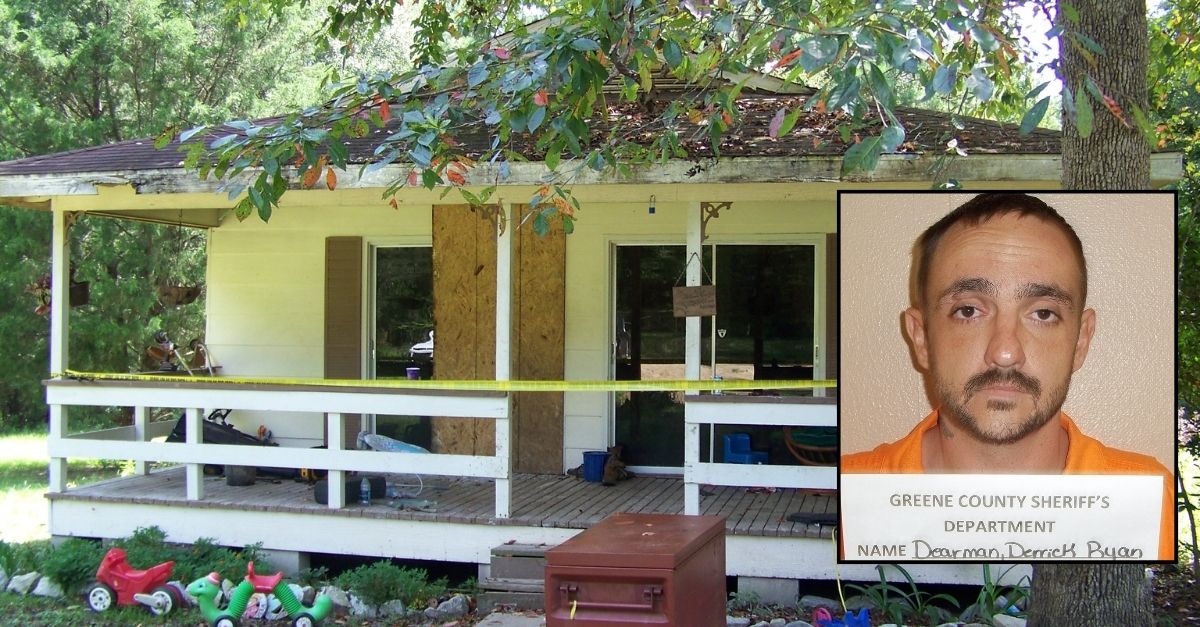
(1088, 42)
(984, 37)
(1149, 131)
(338, 153)
(789, 121)
(843, 92)
(541, 226)
(477, 74)
(163, 139)
(584, 44)
(980, 85)
(243, 209)
(1069, 11)
(724, 24)
(553, 156)
(536, 118)
(1083, 113)
(944, 78)
(314, 134)
(221, 142)
(421, 156)
(891, 138)
(862, 156)
(818, 52)
(568, 225)
(672, 54)
(381, 164)
(1034, 116)
(191, 132)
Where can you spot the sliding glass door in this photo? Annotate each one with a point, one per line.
(765, 328)
(401, 329)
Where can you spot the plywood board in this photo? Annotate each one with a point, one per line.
(464, 262)
(539, 309)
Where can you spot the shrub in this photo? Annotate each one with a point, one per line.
(383, 581)
(148, 546)
(23, 557)
(312, 576)
(73, 563)
(6, 556)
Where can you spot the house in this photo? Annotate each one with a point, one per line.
(341, 288)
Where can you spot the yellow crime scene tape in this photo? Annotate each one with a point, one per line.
(672, 385)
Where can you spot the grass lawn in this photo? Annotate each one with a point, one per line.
(24, 479)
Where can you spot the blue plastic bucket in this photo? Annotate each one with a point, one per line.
(593, 465)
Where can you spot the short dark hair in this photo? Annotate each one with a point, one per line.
(985, 207)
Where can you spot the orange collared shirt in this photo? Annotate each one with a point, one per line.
(1085, 455)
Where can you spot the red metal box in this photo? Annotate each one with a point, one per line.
(639, 569)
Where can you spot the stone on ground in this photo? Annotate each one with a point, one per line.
(1004, 620)
(360, 608)
(737, 621)
(341, 600)
(47, 587)
(22, 584)
(395, 607)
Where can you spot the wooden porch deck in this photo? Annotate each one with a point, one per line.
(559, 501)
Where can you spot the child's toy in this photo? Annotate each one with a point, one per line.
(116, 580)
(205, 590)
(821, 618)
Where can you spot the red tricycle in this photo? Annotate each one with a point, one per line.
(115, 578)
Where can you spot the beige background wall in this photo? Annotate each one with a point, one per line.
(266, 291)
(1123, 395)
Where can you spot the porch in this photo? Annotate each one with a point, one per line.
(546, 510)
(546, 501)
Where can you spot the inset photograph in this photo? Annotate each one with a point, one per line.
(1007, 380)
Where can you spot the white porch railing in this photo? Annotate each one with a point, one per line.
(728, 409)
(133, 442)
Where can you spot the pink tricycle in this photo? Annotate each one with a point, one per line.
(116, 580)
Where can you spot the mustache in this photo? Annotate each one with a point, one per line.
(995, 376)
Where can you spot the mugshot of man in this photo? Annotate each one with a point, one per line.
(998, 325)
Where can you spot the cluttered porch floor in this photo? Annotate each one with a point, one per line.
(560, 501)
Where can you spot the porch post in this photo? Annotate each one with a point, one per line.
(195, 439)
(691, 431)
(336, 432)
(60, 306)
(141, 417)
(504, 226)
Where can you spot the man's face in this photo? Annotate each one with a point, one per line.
(1001, 327)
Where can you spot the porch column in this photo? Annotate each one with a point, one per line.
(195, 439)
(504, 228)
(60, 307)
(691, 431)
(336, 479)
(141, 418)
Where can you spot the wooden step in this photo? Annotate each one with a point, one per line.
(500, 584)
(519, 561)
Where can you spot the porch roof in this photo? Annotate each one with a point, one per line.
(814, 134)
(810, 153)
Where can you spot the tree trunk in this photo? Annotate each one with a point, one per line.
(1114, 157)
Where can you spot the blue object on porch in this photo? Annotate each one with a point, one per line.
(593, 465)
(737, 450)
